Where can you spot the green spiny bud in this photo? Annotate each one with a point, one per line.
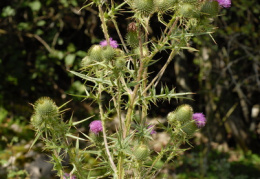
(132, 39)
(85, 61)
(120, 62)
(162, 5)
(119, 53)
(187, 10)
(95, 53)
(141, 152)
(45, 107)
(210, 8)
(190, 1)
(189, 128)
(184, 113)
(36, 121)
(108, 53)
(172, 2)
(171, 117)
(145, 7)
(137, 52)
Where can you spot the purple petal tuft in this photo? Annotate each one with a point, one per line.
(224, 3)
(112, 43)
(199, 119)
(96, 126)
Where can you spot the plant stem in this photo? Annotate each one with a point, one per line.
(120, 166)
(104, 26)
(104, 128)
(134, 94)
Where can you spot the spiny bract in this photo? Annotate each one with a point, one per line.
(210, 8)
(108, 53)
(189, 128)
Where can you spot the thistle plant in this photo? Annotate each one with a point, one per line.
(120, 70)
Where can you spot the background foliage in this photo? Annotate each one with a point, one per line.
(42, 40)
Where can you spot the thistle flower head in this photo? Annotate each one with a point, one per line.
(224, 3)
(199, 119)
(112, 43)
(96, 126)
(152, 131)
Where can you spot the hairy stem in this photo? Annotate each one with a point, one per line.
(134, 94)
(104, 26)
(104, 128)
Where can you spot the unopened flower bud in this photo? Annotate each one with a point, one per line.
(189, 128)
(145, 7)
(141, 152)
(120, 62)
(162, 5)
(36, 121)
(132, 39)
(184, 113)
(171, 117)
(188, 10)
(45, 107)
(108, 53)
(210, 8)
(95, 53)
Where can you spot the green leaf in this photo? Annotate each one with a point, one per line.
(88, 78)
(35, 140)
(83, 120)
(35, 5)
(81, 53)
(190, 48)
(69, 59)
(75, 137)
(41, 23)
(8, 11)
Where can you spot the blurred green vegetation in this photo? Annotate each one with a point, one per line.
(42, 39)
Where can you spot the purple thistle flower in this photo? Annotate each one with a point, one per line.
(67, 176)
(96, 126)
(153, 131)
(224, 3)
(200, 119)
(113, 43)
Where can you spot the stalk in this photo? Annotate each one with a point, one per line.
(104, 25)
(134, 94)
(104, 128)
